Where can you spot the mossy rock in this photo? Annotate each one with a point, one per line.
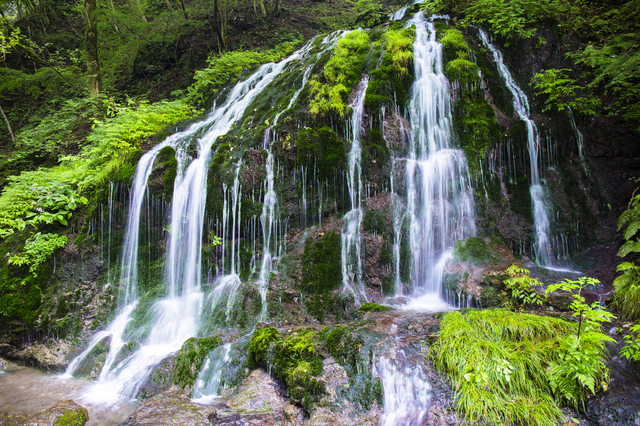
(296, 360)
(192, 354)
(374, 307)
(321, 149)
(474, 250)
(73, 418)
(374, 222)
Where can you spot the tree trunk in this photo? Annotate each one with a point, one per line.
(8, 125)
(218, 21)
(184, 10)
(91, 47)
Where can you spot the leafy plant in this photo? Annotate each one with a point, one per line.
(631, 348)
(590, 317)
(580, 368)
(521, 286)
(226, 69)
(38, 250)
(562, 92)
(627, 285)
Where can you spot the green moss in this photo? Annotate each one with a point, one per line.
(374, 307)
(190, 359)
(374, 222)
(453, 39)
(386, 254)
(321, 149)
(322, 272)
(463, 70)
(473, 250)
(73, 418)
(340, 73)
(350, 349)
(295, 360)
(124, 173)
(388, 285)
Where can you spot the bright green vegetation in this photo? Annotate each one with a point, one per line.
(627, 285)
(329, 93)
(374, 307)
(294, 359)
(192, 354)
(605, 38)
(225, 69)
(459, 68)
(73, 418)
(473, 119)
(563, 93)
(395, 74)
(513, 368)
(521, 286)
(37, 250)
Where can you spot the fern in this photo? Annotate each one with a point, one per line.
(627, 285)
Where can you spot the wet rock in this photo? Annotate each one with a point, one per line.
(92, 364)
(171, 407)
(476, 267)
(49, 355)
(64, 413)
(259, 393)
(159, 380)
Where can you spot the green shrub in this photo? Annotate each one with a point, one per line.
(504, 365)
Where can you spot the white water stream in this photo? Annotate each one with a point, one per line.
(351, 239)
(407, 393)
(439, 201)
(177, 315)
(539, 198)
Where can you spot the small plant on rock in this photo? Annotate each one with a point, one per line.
(521, 286)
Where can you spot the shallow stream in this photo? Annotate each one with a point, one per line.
(26, 390)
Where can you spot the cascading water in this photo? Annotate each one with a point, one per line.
(407, 393)
(176, 317)
(539, 199)
(351, 240)
(210, 378)
(439, 196)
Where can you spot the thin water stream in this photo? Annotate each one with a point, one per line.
(539, 199)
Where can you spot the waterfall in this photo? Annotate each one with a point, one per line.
(439, 200)
(398, 14)
(539, 198)
(407, 393)
(351, 239)
(211, 375)
(176, 316)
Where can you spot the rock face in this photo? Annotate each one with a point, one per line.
(49, 355)
(477, 268)
(171, 407)
(64, 413)
(259, 393)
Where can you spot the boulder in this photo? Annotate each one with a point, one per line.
(64, 413)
